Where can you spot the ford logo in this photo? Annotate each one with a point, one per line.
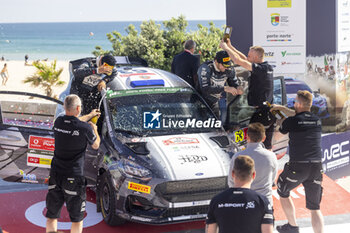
(199, 174)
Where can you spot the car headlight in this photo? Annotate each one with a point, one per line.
(133, 169)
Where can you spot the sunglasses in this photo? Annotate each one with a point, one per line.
(106, 65)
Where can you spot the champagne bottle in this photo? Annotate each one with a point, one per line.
(277, 113)
(227, 33)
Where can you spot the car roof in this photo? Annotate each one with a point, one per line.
(130, 78)
(292, 80)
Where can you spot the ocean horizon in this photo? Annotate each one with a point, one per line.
(67, 40)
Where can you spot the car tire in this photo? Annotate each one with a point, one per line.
(107, 199)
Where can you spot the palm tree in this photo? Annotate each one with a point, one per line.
(46, 76)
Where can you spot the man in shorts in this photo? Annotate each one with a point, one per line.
(67, 182)
(305, 162)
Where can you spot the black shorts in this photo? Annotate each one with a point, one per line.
(308, 174)
(70, 190)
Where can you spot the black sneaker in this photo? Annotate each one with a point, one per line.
(287, 228)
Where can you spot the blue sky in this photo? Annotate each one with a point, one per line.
(13, 11)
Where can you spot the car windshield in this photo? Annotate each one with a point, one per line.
(293, 88)
(159, 111)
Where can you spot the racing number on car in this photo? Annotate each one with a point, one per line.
(239, 136)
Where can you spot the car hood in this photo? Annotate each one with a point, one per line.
(189, 156)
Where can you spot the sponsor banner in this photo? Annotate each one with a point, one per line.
(41, 143)
(279, 3)
(36, 158)
(343, 25)
(336, 155)
(139, 187)
(286, 59)
(280, 28)
(40, 151)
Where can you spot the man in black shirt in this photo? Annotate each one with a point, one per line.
(260, 88)
(186, 65)
(67, 183)
(90, 80)
(305, 162)
(212, 77)
(240, 209)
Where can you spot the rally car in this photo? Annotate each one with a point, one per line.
(163, 154)
(319, 102)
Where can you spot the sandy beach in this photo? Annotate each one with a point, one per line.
(18, 72)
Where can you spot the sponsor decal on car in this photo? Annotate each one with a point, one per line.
(146, 91)
(40, 151)
(192, 158)
(139, 187)
(180, 140)
(136, 74)
(240, 135)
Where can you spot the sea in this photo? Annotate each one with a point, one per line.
(66, 41)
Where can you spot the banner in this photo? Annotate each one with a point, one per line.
(279, 26)
(343, 26)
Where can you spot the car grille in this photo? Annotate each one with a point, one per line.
(194, 210)
(191, 190)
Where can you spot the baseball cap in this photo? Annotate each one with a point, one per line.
(108, 59)
(223, 58)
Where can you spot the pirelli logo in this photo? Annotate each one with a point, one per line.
(226, 59)
(139, 187)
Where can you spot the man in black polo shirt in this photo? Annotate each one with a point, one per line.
(186, 65)
(67, 183)
(305, 162)
(260, 88)
(240, 209)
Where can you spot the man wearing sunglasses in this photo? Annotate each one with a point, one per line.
(305, 162)
(90, 79)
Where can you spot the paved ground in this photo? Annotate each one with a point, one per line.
(18, 200)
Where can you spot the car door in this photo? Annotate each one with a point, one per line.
(26, 136)
(239, 113)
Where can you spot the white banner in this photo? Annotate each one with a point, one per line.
(279, 26)
(343, 26)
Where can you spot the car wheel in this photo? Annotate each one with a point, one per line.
(107, 199)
